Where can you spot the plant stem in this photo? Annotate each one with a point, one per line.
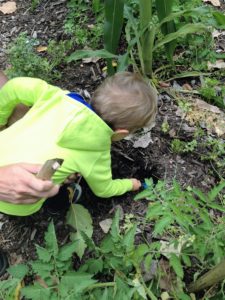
(214, 276)
(147, 40)
(101, 285)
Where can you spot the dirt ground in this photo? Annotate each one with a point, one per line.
(18, 235)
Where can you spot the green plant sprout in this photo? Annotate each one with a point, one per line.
(25, 61)
(178, 146)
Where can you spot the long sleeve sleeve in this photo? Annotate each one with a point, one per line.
(19, 90)
(101, 182)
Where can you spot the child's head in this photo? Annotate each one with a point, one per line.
(125, 101)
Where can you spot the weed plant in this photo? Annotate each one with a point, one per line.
(76, 23)
(188, 236)
(24, 59)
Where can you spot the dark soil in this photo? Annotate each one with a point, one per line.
(18, 235)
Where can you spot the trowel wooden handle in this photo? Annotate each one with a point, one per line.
(49, 168)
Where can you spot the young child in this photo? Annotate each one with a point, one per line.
(62, 125)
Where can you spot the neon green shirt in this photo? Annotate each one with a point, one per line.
(56, 126)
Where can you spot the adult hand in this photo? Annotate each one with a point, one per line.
(136, 184)
(19, 185)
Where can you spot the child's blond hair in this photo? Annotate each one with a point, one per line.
(125, 101)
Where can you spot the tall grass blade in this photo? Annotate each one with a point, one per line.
(164, 9)
(112, 27)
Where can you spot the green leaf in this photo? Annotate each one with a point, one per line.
(147, 193)
(162, 224)
(51, 240)
(43, 254)
(79, 218)
(42, 269)
(89, 242)
(18, 271)
(113, 24)
(36, 292)
(107, 245)
(186, 260)
(65, 252)
(128, 239)
(176, 265)
(115, 229)
(216, 190)
(164, 9)
(219, 17)
(95, 265)
(80, 54)
(74, 282)
(123, 291)
(140, 252)
(154, 210)
(139, 288)
(112, 27)
(7, 288)
(183, 31)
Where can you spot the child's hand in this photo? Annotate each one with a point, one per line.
(136, 184)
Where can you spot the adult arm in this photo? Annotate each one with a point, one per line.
(19, 185)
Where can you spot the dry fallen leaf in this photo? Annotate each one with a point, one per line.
(213, 2)
(207, 115)
(219, 64)
(42, 48)
(105, 225)
(8, 7)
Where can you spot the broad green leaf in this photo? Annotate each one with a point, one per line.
(18, 271)
(123, 62)
(74, 282)
(122, 290)
(186, 260)
(145, 194)
(128, 239)
(139, 288)
(7, 288)
(164, 9)
(183, 31)
(36, 292)
(89, 242)
(176, 265)
(42, 269)
(112, 28)
(154, 211)
(79, 219)
(107, 245)
(162, 224)
(140, 252)
(51, 240)
(220, 18)
(113, 24)
(43, 254)
(80, 54)
(115, 229)
(95, 265)
(66, 251)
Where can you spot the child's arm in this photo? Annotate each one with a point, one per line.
(20, 90)
(101, 182)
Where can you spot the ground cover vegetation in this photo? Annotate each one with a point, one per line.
(173, 246)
